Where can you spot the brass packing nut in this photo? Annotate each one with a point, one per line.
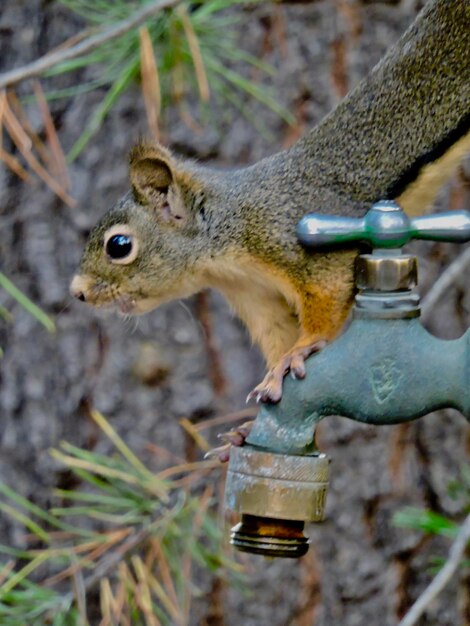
(279, 486)
(386, 272)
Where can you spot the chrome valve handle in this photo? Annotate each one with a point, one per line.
(385, 225)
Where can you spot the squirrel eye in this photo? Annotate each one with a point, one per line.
(120, 245)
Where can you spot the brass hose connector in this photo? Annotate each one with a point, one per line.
(276, 494)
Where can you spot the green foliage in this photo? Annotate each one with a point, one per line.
(433, 523)
(128, 533)
(117, 64)
(25, 302)
(426, 521)
(461, 488)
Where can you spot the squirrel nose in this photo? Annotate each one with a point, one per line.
(78, 288)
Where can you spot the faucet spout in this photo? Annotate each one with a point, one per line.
(379, 372)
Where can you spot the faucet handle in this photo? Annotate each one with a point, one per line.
(385, 225)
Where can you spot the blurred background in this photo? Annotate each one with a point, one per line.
(226, 83)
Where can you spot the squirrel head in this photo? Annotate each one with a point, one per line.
(145, 249)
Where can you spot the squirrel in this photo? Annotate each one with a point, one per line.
(183, 227)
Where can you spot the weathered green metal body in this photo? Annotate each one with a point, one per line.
(380, 371)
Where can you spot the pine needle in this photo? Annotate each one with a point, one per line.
(106, 602)
(15, 166)
(24, 144)
(150, 81)
(58, 157)
(190, 428)
(144, 596)
(120, 444)
(22, 574)
(164, 570)
(26, 303)
(195, 49)
(19, 111)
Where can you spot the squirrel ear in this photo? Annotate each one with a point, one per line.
(152, 175)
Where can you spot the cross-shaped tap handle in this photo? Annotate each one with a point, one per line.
(385, 225)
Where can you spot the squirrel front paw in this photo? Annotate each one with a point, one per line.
(235, 437)
(270, 388)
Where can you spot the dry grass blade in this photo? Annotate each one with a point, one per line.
(195, 49)
(2, 109)
(226, 419)
(116, 558)
(119, 606)
(80, 595)
(9, 160)
(150, 81)
(188, 119)
(84, 561)
(163, 454)
(173, 609)
(24, 144)
(128, 582)
(119, 443)
(16, 131)
(106, 603)
(111, 605)
(187, 560)
(58, 157)
(164, 570)
(144, 596)
(196, 476)
(22, 118)
(188, 468)
(83, 547)
(200, 441)
(115, 536)
(15, 166)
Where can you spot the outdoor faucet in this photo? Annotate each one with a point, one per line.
(385, 369)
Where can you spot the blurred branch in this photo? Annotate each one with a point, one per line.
(443, 577)
(90, 43)
(444, 282)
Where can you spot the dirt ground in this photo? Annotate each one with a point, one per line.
(360, 569)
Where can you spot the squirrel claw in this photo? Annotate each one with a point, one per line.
(270, 389)
(222, 453)
(231, 438)
(254, 395)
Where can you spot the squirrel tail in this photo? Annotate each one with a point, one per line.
(420, 195)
